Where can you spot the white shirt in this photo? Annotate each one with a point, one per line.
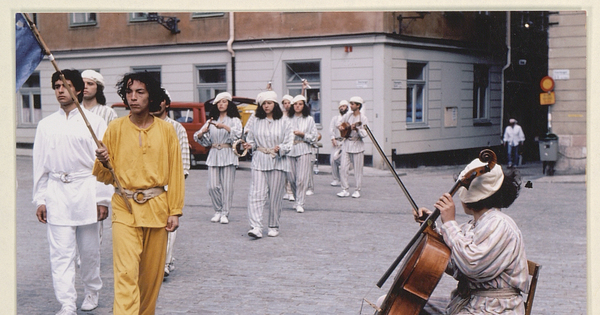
(303, 145)
(64, 150)
(336, 121)
(355, 143)
(224, 156)
(513, 135)
(269, 133)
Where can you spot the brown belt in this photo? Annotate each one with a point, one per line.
(142, 195)
(220, 146)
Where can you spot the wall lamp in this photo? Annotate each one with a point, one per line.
(169, 22)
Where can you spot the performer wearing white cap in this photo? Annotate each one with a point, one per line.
(286, 103)
(93, 95)
(335, 158)
(353, 147)
(270, 139)
(305, 133)
(487, 253)
(222, 129)
(513, 140)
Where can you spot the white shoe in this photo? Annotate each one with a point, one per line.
(273, 232)
(66, 311)
(310, 192)
(299, 209)
(90, 302)
(343, 193)
(255, 232)
(224, 219)
(167, 271)
(292, 198)
(216, 218)
(335, 183)
(286, 197)
(356, 194)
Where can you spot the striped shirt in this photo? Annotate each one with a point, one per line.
(269, 133)
(491, 255)
(303, 145)
(224, 156)
(355, 143)
(183, 144)
(336, 121)
(107, 113)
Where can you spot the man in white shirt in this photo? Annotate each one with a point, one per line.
(184, 144)
(513, 141)
(336, 142)
(353, 148)
(68, 197)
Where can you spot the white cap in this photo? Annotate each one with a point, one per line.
(356, 99)
(222, 95)
(266, 96)
(299, 98)
(483, 185)
(512, 121)
(342, 103)
(93, 75)
(287, 97)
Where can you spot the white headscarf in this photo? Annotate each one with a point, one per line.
(93, 75)
(483, 185)
(266, 96)
(222, 95)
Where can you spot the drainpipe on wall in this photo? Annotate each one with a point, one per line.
(508, 62)
(230, 49)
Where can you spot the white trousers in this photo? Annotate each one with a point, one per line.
(220, 187)
(65, 242)
(266, 190)
(357, 160)
(299, 176)
(335, 165)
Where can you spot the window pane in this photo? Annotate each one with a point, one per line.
(32, 81)
(217, 75)
(409, 104)
(414, 71)
(182, 114)
(296, 71)
(419, 104)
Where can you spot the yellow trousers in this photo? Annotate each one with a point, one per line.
(138, 263)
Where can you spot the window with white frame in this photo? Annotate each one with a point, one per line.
(29, 104)
(200, 15)
(210, 81)
(296, 71)
(416, 85)
(481, 80)
(138, 16)
(153, 70)
(82, 19)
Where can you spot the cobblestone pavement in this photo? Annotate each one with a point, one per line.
(327, 259)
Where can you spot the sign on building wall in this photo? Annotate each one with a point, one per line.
(451, 117)
(561, 74)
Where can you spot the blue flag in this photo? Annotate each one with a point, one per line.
(29, 53)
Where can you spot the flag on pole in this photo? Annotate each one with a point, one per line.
(29, 53)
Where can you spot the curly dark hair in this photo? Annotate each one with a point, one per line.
(232, 111)
(100, 98)
(74, 76)
(505, 196)
(277, 112)
(305, 110)
(155, 93)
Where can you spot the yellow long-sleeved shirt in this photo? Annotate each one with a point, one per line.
(142, 159)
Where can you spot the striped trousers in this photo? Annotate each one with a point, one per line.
(299, 176)
(357, 160)
(220, 187)
(266, 190)
(335, 165)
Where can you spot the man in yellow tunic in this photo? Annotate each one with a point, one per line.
(146, 157)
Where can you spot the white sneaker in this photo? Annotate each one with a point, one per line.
(66, 311)
(167, 271)
(310, 192)
(224, 219)
(90, 302)
(356, 194)
(216, 218)
(343, 193)
(299, 209)
(292, 198)
(335, 183)
(273, 232)
(286, 197)
(255, 232)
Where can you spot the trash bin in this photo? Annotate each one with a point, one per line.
(549, 147)
(548, 152)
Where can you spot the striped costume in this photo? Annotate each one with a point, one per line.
(301, 156)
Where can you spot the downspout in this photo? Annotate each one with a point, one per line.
(230, 49)
(508, 63)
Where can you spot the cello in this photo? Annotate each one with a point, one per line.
(427, 254)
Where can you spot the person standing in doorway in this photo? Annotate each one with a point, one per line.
(219, 133)
(513, 142)
(353, 148)
(67, 196)
(146, 157)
